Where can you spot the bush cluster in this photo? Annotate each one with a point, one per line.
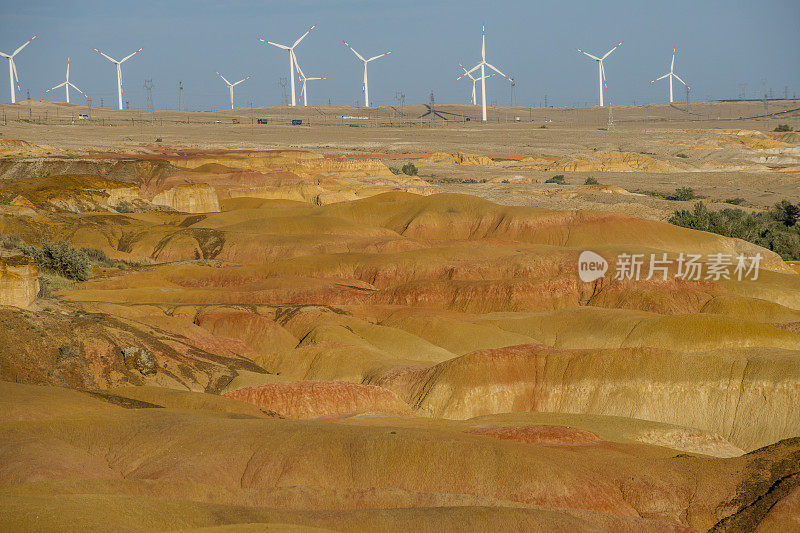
(683, 194)
(61, 258)
(410, 169)
(558, 178)
(783, 128)
(590, 181)
(777, 229)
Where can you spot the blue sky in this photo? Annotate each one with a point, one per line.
(720, 45)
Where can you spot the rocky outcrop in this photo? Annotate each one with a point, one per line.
(314, 399)
(19, 281)
(189, 198)
(613, 162)
(458, 158)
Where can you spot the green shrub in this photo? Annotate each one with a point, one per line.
(786, 213)
(559, 178)
(735, 201)
(682, 155)
(783, 128)
(590, 181)
(776, 229)
(683, 194)
(410, 169)
(124, 207)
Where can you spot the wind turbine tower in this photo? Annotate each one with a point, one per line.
(292, 58)
(12, 68)
(366, 61)
(67, 84)
(119, 70)
(671, 75)
(601, 72)
(231, 85)
(482, 65)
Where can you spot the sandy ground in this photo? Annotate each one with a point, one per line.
(392, 134)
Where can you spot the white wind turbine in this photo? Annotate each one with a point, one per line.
(231, 85)
(304, 81)
(366, 61)
(482, 65)
(474, 81)
(292, 58)
(601, 72)
(671, 75)
(67, 84)
(119, 69)
(12, 68)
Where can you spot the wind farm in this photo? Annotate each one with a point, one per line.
(236, 297)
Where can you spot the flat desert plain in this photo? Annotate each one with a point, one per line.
(209, 325)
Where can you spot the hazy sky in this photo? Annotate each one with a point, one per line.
(720, 45)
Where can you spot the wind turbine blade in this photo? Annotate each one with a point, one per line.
(74, 87)
(672, 65)
(223, 77)
(661, 78)
(609, 52)
(356, 53)
(56, 87)
(131, 55)
(4, 55)
(680, 80)
(67, 67)
(16, 76)
(243, 79)
(275, 44)
(304, 35)
(24, 45)
(107, 57)
(487, 76)
(498, 71)
(603, 71)
(476, 67)
(300, 73)
(379, 56)
(588, 54)
(483, 41)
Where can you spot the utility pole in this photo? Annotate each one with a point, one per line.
(148, 86)
(433, 111)
(181, 104)
(401, 101)
(545, 100)
(101, 102)
(284, 96)
(513, 94)
(610, 124)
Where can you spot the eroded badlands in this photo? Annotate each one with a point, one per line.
(308, 339)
